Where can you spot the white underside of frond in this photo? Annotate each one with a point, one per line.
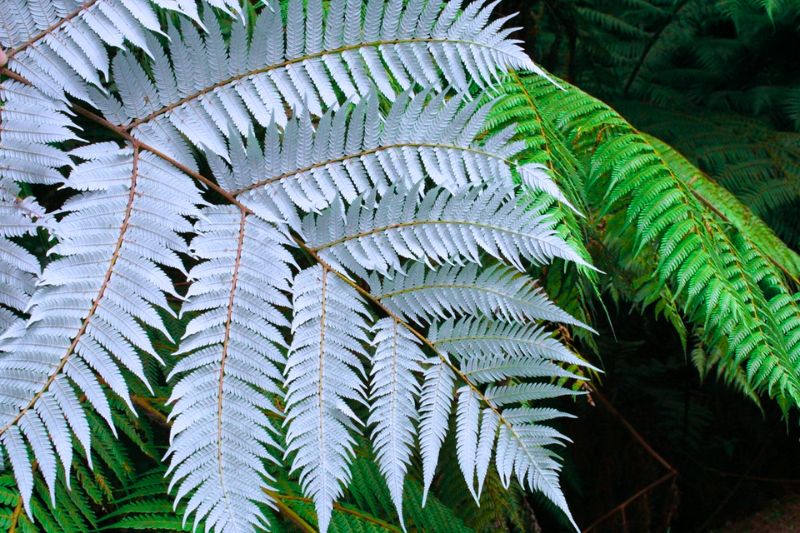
(495, 291)
(396, 366)
(231, 359)
(60, 45)
(85, 315)
(300, 63)
(324, 372)
(411, 196)
(440, 227)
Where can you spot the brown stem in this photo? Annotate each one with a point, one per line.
(632, 430)
(671, 471)
(289, 513)
(623, 505)
(145, 405)
(15, 516)
(224, 356)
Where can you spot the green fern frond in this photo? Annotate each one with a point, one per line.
(145, 505)
(707, 360)
(640, 191)
(757, 163)
(368, 492)
(729, 208)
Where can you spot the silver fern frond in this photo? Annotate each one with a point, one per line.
(60, 45)
(19, 269)
(467, 412)
(231, 358)
(205, 84)
(375, 164)
(522, 444)
(469, 337)
(373, 234)
(85, 316)
(396, 367)
(355, 149)
(498, 290)
(436, 400)
(323, 371)
(30, 123)
(490, 422)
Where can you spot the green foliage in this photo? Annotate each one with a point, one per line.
(84, 504)
(748, 157)
(144, 504)
(715, 79)
(368, 492)
(678, 240)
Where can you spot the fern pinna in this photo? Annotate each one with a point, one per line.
(342, 150)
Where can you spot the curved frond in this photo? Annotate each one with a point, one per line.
(741, 214)
(375, 234)
(396, 365)
(756, 163)
(60, 45)
(450, 290)
(30, 121)
(356, 149)
(659, 223)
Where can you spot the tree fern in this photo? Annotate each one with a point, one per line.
(91, 298)
(396, 367)
(367, 237)
(322, 373)
(748, 157)
(425, 295)
(353, 214)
